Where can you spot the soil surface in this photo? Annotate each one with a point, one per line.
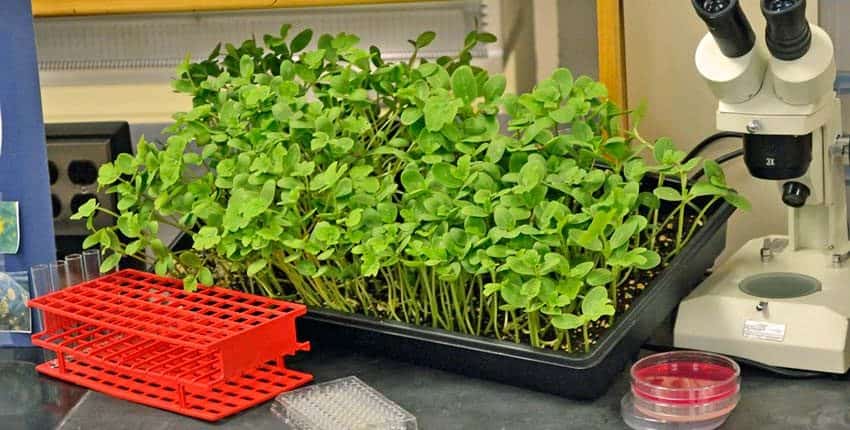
(632, 289)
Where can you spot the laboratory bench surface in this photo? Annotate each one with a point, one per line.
(440, 400)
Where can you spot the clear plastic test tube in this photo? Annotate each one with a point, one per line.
(41, 285)
(91, 264)
(41, 282)
(58, 275)
(74, 266)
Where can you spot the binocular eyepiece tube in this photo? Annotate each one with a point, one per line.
(728, 25)
(788, 35)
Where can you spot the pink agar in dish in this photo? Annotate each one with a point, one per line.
(685, 386)
(685, 382)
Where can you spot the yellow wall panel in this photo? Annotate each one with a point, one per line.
(43, 8)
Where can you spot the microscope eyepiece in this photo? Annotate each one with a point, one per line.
(788, 35)
(728, 25)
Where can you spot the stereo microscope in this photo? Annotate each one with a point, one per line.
(780, 300)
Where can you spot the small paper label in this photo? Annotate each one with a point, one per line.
(764, 330)
(10, 228)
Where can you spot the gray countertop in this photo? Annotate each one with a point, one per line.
(440, 400)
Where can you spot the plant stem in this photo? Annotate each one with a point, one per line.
(586, 337)
(683, 178)
(694, 227)
(516, 325)
(612, 289)
(480, 316)
(534, 328)
(655, 227)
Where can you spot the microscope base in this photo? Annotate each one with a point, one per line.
(802, 332)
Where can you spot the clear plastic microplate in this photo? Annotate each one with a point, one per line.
(342, 404)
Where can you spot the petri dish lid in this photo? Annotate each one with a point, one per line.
(685, 378)
(637, 420)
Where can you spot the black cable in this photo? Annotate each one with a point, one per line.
(720, 160)
(709, 140)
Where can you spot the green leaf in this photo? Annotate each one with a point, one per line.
(634, 170)
(623, 234)
(284, 30)
(599, 277)
(503, 218)
(133, 247)
(485, 37)
(125, 163)
(190, 283)
(86, 210)
(425, 39)
(443, 173)
(738, 201)
(565, 81)
(563, 115)
(510, 292)
(287, 70)
(568, 321)
(494, 87)
(703, 188)
(190, 259)
(412, 180)
(107, 174)
(464, 84)
(205, 276)
(531, 288)
(581, 270)
(246, 66)
(662, 147)
(533, 172)
(668, 193)
(535, 129)
(438, 112)
(713, 170)
(496, 148)
(256, 267)
(596, 304)
(326, 233)
(301, 40)
(92, 239)
(491, 288)
(109, 263)
(328, 178)
(411, 115)
(652, 260)
(267, 192)
(206, 238)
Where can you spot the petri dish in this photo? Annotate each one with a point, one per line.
(682, 387)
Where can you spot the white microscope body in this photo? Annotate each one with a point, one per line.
(779, 300)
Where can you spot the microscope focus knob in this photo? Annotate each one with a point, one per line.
(795, 194)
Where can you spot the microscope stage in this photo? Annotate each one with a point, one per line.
(807, 330)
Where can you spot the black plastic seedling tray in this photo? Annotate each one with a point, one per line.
(580, 375)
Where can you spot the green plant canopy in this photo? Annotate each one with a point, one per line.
(322, 173)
